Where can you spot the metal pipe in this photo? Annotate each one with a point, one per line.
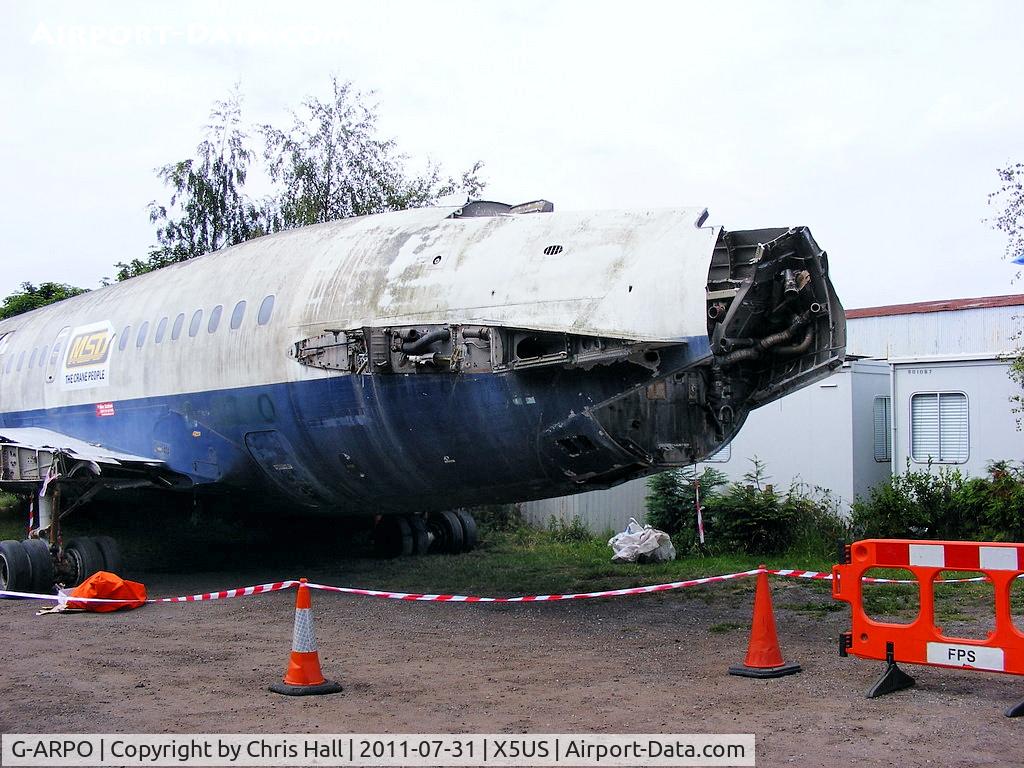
(769, 341)
(426, 340)
(797, 349)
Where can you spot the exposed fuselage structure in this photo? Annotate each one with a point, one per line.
(427, 359)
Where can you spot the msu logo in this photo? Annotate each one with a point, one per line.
(90, 348)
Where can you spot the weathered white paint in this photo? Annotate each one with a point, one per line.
(633, 274)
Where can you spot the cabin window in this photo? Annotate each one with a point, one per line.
(42, 356)
(179, 322)
(266, 310)
(21, 359)
(124, 338)
(32, 358)
(939, 429)
(141, 338)
(10, 363)
(197, 320)
(161, 331)
(215, 318)
(237, 315)
(883, 429)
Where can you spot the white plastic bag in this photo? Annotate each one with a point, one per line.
(641, 544)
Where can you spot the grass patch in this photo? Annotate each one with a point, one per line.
(528, 561)
(12, 521)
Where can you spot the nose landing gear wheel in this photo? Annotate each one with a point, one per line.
(469, 532)
(420, 535)
(447, 532)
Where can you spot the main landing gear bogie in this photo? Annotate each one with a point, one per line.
(449, 533)
(32, 565)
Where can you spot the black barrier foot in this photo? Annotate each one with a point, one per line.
(789, 668)
(892, 680)
(1017, 710)
(306, 690)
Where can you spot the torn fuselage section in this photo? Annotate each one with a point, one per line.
(617, 408)
(774, 325)
(454, 348)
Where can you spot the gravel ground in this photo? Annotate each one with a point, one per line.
(654, 663)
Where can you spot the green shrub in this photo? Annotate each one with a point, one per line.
(945, 505)
(749, 516)
(568, 533)
(671, 503)
(498, 517)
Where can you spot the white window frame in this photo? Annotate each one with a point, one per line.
(938, 394)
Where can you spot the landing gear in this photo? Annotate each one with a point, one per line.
(469, 532)
(83, 558)
(41, 564)
(31, 566)
(449, 533)
(446, 529)
(15, 569)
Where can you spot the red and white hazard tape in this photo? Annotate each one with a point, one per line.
(277, 586)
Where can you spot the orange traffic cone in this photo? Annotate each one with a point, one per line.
(764, 658)
(303, 676)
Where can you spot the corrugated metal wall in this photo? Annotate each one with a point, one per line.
(967, 331)
(600, 510)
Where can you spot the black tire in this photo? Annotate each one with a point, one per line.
(420, 535)
(15, 569)
(470, 535)
(112, 560)
(393, 537)
(447, 532)
(40, 565)
(84, 557)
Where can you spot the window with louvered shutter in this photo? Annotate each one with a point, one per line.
(939, 428)
(720, 456)
(883, 429)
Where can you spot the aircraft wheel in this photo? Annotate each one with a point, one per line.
(469, 531)
(15, 569)
(40, 565)
(447, 532)
(393, 536)
(420, 535)
(112, 560)
(84, 557)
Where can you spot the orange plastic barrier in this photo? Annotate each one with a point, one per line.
(922, 641)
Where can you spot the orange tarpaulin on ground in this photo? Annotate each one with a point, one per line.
(111, 587)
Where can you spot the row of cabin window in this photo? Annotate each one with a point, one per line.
(196, 323)
(237, 316)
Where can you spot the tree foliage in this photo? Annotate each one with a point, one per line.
(330, 163)
(208, 208)
(1009, 219)
(35, 296)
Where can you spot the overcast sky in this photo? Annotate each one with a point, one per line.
(878, 124)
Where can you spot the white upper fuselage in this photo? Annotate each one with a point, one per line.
(623, 274)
